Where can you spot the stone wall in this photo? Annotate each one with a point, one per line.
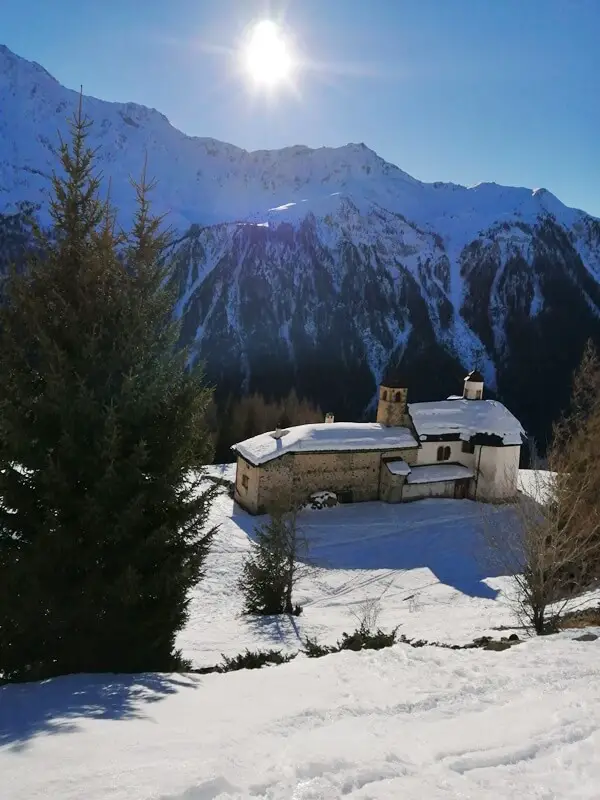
(247, 479)
(391, 408)
(410, 455)
(390, 486)
(295, 476)
(276, 483)
(355, 472)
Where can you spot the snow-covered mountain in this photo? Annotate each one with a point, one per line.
(317, 267)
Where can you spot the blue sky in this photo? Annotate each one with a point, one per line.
(453, 90)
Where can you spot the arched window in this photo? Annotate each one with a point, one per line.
(384, 395)
(443, 453)
(397, 397)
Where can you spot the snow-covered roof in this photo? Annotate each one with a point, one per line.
(325, 436)
(466, 418)
(398, 467)
(438, 472)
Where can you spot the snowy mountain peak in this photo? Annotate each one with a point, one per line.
(10, 63)
(318, 267)
(202, 180)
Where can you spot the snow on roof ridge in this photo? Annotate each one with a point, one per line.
(325, 436)
(467, 418)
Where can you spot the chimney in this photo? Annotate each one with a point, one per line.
(277, 433)
(329, 417)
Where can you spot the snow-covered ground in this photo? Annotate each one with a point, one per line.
(399, 723)
(426, 563)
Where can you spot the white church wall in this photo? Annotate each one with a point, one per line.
(428, 454)
(418, 491)
(498, 469)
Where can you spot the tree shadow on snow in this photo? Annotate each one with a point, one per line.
(445, 536)
(56, 706)
(245, 521)
(278, 629)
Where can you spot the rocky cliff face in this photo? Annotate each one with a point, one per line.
(316, 268)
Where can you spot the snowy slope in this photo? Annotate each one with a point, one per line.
(400, 723)
(425, 565)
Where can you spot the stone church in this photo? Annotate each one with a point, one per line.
(462, 447)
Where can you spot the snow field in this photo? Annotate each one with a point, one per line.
(424, 563)
(401, 723)
(398, 723)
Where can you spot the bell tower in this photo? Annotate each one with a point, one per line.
(391, 408)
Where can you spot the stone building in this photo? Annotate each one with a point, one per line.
(462, 447)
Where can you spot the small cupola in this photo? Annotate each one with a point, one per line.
(473, 389)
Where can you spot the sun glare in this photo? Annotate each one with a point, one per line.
(267, 59)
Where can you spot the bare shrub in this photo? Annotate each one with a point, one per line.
(367, 613)
(552, 549)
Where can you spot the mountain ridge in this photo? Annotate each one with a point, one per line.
(317, 267)
(30, 78)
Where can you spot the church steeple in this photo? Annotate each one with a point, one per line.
(391, 409)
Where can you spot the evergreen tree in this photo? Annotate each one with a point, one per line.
(272, 569)
(102, 433)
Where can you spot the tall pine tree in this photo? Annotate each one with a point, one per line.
(103, 514)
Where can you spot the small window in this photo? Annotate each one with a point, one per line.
(398, 397)
(384, 395)
(443, 453)
(478, 394)
(467, 447)
(245, 481)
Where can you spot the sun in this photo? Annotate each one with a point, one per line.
(266, 56)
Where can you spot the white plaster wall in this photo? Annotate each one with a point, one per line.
(498, 472)
(428, 454)
(417, 491)
(473, 390)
